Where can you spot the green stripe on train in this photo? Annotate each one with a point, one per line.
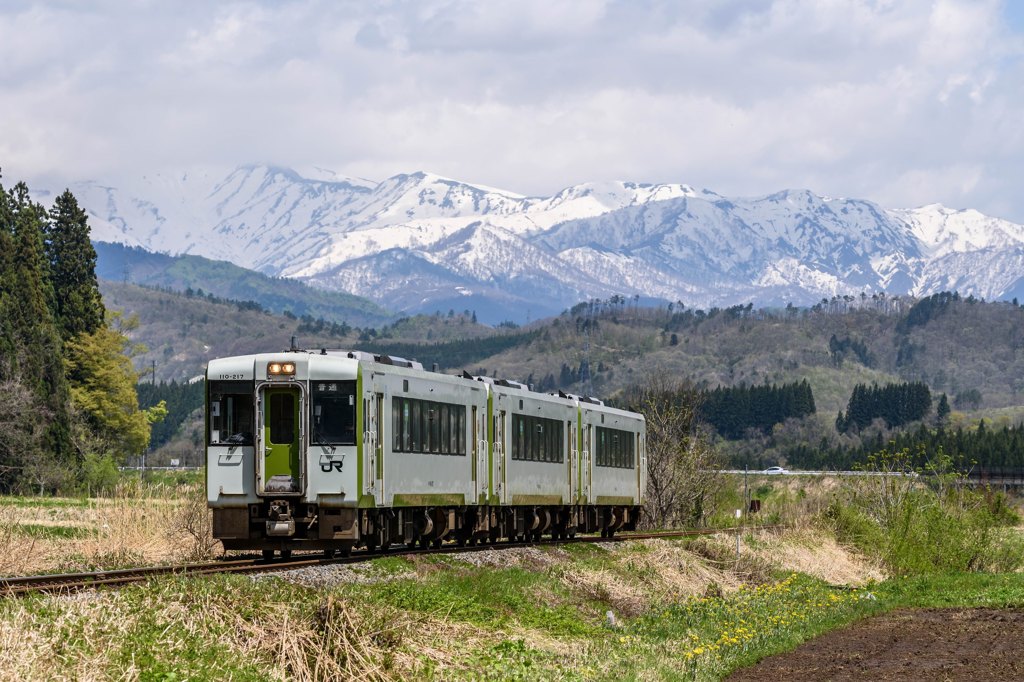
(536, 499)
(620, 500)
(429, 500)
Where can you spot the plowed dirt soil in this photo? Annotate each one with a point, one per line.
(925, 644)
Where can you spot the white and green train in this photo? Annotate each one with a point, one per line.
(329, 450)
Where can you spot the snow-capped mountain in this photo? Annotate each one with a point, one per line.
(421, 242)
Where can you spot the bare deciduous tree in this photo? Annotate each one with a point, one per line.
(20, 430)
(682, 468)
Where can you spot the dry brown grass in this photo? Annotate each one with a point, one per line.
(330, 638)
(32, 646)
(809, 550)
(19, 553)
(135, 525)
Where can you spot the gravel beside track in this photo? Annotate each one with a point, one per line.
(317, 570)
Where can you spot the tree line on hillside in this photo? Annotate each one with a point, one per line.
(929, 308)
(734, 410)
(452, 354)
(983, 450)
(68, 405)
(841, 349)
(897, 404)
(180, 401)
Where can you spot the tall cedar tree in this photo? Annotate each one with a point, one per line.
(7, 344)
(72, 261)
(36, 357)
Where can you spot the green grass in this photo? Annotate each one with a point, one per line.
(442, 618)
(43, 532)
(706, 637)
(485, 597)
(164, 477)
(43, 502)
(967, 590)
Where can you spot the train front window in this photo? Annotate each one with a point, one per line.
(334, 412)
(231, 413)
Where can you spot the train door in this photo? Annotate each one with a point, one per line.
(641, 466)
(477, 428)
(282, 440)
(574, 462)
(499, 455)
(373, 446)
(585, 462)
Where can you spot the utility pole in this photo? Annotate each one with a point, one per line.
(154, 372)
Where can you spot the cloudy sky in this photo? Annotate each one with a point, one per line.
(905, 102)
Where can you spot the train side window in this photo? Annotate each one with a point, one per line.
(435, 428)
(445, 441)
(517, 437)
(334, 412)
(395, 425)
(429, 427)
(407, 426)
(558, 441)
(542, 441)
(458, 429)
(614, 448)
(414, 426)
(231, 411)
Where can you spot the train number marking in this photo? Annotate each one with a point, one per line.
(232, 376)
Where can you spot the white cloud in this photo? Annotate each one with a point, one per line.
(903, 102)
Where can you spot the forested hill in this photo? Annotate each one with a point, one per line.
(969, 349)
(826, 377)
(119, 263)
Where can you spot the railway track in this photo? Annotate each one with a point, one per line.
(70, 582)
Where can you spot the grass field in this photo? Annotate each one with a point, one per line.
(138, 524)
(646, 610)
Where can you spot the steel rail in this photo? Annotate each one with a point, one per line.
(69, 582)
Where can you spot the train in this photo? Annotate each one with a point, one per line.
(330, 450)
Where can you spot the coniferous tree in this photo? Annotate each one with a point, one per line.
(72, 261)
(37, 354)
(7, 344)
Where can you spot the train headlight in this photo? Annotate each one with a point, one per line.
(280, 368)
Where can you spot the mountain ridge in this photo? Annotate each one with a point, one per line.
(460, 241)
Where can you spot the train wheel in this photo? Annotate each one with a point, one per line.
(268, 554)
(328, 553)
(286, 554)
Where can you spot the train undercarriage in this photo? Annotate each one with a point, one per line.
(284, 525)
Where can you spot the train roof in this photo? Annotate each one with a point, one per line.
(242, 367)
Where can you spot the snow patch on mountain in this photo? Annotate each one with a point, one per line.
(417, 240)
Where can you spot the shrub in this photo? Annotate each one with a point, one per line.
(921, 521)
